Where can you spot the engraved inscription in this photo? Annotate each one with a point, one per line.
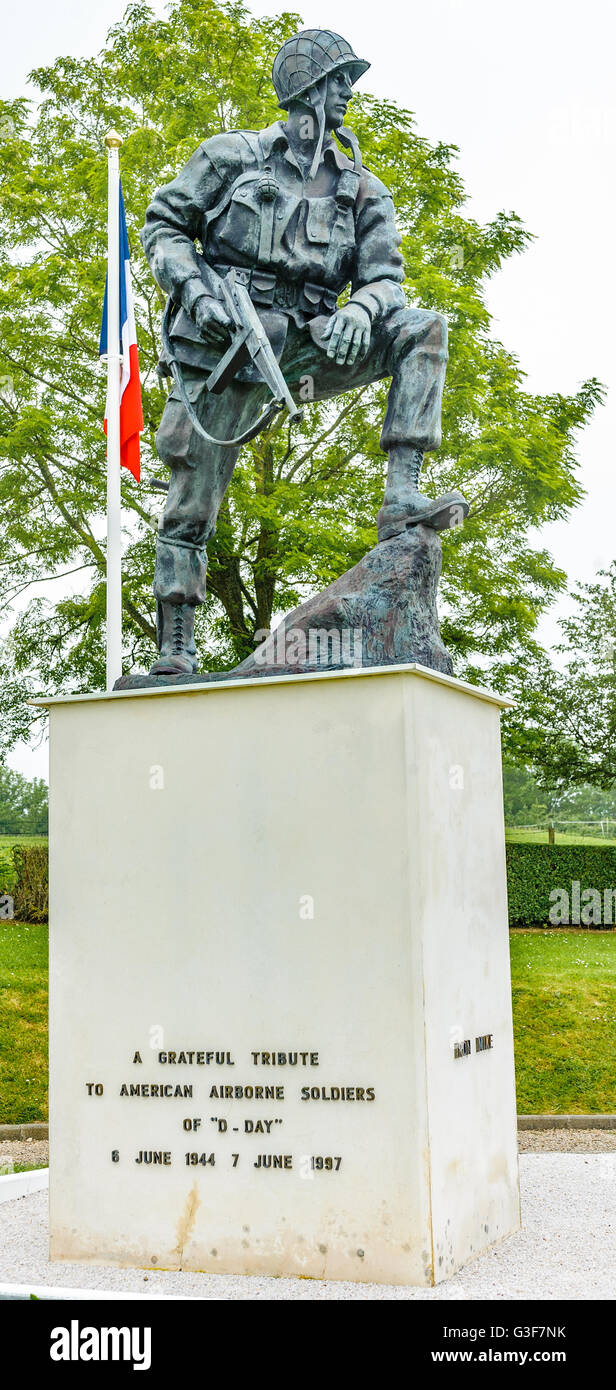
(483, 1043)
(235, 1123)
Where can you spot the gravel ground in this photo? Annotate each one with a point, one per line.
(530, 1141)
(24, 1151)
(567, 1141)
(567, 1249)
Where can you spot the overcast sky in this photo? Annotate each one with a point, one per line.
(527, 93)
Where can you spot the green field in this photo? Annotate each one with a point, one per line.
(540, 837)
(564, 1010)
(10, 840)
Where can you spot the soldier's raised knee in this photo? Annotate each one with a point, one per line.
(438, 331)
(428, 325)
(416, 328)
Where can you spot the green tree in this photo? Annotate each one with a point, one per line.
(586, 810)
(299, 513)
(525, 802)
(23, 804)
(585, 803)
(564, 722)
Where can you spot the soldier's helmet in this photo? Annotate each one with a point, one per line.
(307, 57)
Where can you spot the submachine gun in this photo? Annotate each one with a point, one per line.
(249, 343)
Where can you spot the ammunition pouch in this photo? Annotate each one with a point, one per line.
(269, 291)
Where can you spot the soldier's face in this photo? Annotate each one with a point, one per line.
(337, 97)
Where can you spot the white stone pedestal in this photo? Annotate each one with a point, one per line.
(245, 871)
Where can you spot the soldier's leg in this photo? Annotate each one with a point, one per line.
(415, 345)
(200, 476)
(418, 357)
(410, 345)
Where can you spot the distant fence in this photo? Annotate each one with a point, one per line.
(18, 825)
(604, 828)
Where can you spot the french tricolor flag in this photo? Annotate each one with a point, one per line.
(131, 411)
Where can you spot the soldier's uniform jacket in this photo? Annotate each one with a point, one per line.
(243, 197)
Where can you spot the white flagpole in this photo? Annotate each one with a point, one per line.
(114, 533)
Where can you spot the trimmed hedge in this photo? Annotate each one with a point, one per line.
(7, 870)
(535, 871)
(31, 891)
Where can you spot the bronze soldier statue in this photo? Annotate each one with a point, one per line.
(291, 218)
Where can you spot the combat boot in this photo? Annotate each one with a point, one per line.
(404, 505)
(175, 635)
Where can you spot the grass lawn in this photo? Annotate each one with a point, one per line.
(23, 1023)
(5, 1169)
(564, 1018)
(564, 1013)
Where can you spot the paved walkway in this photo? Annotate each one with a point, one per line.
(567, 1249)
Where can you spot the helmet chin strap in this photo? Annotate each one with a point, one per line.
(317, 103)
(350, 142)
(346, 137)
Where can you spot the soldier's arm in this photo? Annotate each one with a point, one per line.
(172, 224)
(378, 272)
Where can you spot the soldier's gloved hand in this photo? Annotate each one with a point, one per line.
(349, 334)
(212, 320)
